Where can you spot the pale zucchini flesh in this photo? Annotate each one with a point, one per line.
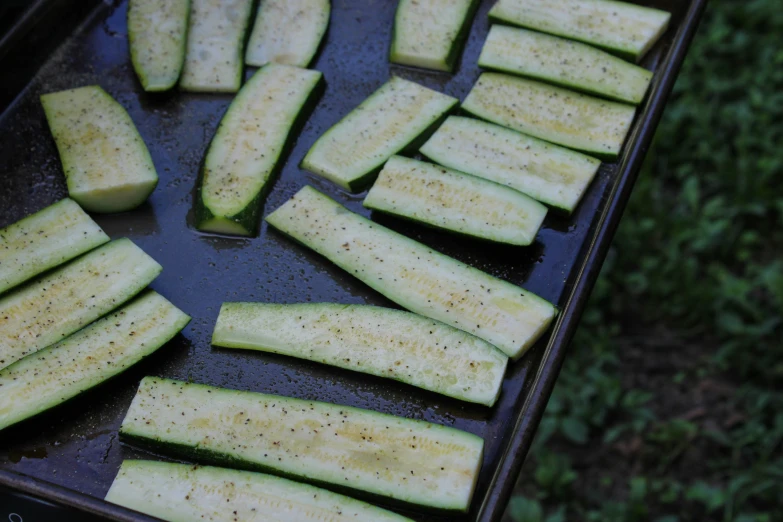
(393, 118)
(106, 163)
(626, 29)
(551, 174)
(408, 460)
(61, 302)
(455, 201)
(183, 493)
(87, 358)
(157, 34)
(554, 114)
(379, 341)
(563, 62)
(215, 45)
(430, 33)
(44, 240)
(287, 32)
(246, 150)
(415, 276)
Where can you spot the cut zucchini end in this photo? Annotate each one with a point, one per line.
(542, 329)
(423, 62)
(115, 199)
(352, 185)
(158, 84)
(223, 225)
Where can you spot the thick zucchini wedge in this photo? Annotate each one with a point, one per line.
(563, 62)
(60, 302)
(379, 341)
(551, 174)
(409, 460)
(622, 28)
(287, 32)
(44, 240)
(216, 38)
(415, 276)
(87, 358)
(431, 33)
(454, 201)
(578, 121)
(183, 493)
(107, 166)
(394, 117)
(157, 33)
(247, 148)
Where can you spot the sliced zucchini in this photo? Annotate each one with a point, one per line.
(454, 201)
(622, 28)
(287, 32)
(44, 240)
(213, 61)
(60, 302)
(563, 62)
(398, 115)
(578, 121)
(107, 166)
(431, 33)
(87, 358)
(247, 148)
(157, 32)
(379, 341)
(415, 276)
(409, 460)
(553, 175)
(182, 493)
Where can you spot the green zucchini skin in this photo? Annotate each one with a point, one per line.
(240, 165)
(51, 236)
(321, 443)
(87, 358)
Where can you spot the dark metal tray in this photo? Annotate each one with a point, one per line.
(71, 454)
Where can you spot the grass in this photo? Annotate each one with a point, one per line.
(670, 407)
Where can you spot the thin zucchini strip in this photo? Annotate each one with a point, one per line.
(61, 302)
(182, 493)
(107, 166)
(397, 116)
(287, 32)
(379, 341)
(87, 358)
(629, 30)
(454, 201)
(553, 175)
(44, 240)
(415, 276)
(409, 460)
(246, 150)
(563, 62)
(157, 33)
(574, 120)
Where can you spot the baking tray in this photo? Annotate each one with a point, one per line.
(70, 455)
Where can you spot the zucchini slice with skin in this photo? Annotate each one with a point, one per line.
(44, 240)
(87, 358)
(431, 33)
(415, 276)
(409, 460)
(287, 32)
(563, 62)
(107, 166)
(182, 493)
(551, 174)
(157, 34)
(564, 117)
(455, 201)
(379, 341)
(246, 150)
(61, 302)
(397, 116)
(628, 30)
(214, 58)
